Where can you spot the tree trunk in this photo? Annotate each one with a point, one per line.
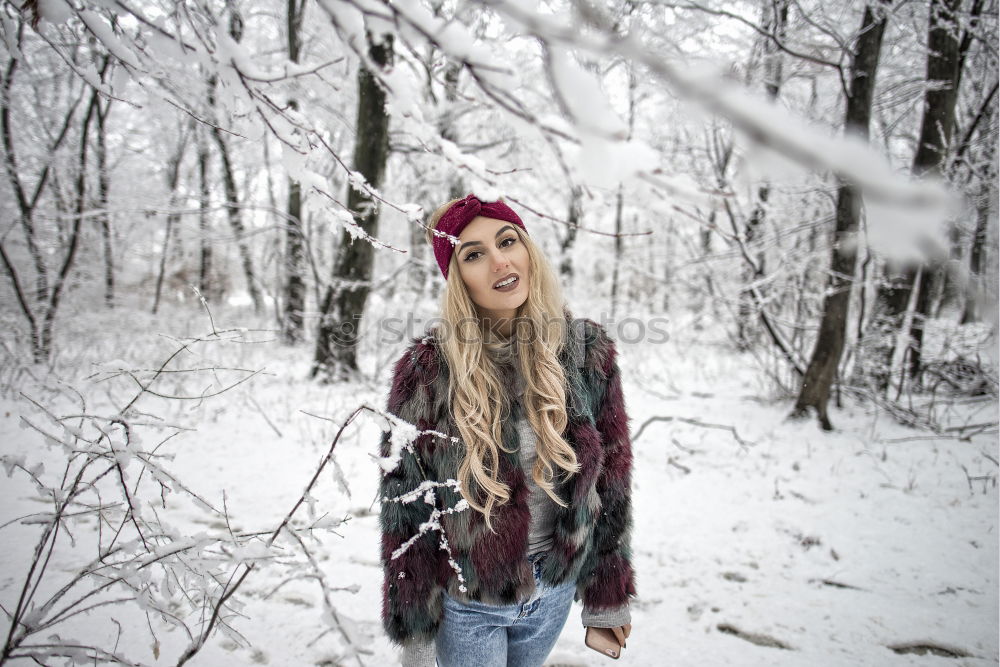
(295, 285)
(952, 288)
(103, 187)
(236, 220)
(276, 245)
(822, 369)
(25, 203)
(446, 124)
(44, 349)
(294, 306)
(775, 22)
(745, 328)
(173, 179)
(344, 301)
(705, 243)
(233, 214)
(47, 299)
(573, 216)
(944, 66)
(976, 292)
(205, 263)
(616, 260)
(633, 84)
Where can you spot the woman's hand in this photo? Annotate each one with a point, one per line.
(622, 632)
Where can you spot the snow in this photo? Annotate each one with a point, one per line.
(348, 21)
(461, 161)
(89, 74)
(103, 32)
(405, 99)
(8, 29)
(54, 11)
(232, 53)
(585, 101)
(837, 545)
(908, 234)
(486, 193)
(608, 162)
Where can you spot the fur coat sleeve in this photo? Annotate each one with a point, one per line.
(607, 579)
(415, 570)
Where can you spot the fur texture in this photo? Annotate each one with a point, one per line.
(592, 535)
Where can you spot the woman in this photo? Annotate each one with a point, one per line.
(527, 414)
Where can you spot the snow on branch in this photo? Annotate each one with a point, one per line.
(769, 124)
(599, 132)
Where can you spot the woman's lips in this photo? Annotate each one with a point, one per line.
(508, 288)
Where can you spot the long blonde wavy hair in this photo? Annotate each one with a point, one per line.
(477, 395)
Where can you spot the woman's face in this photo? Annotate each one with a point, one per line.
(490, 252)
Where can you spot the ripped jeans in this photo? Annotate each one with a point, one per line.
(474, 634)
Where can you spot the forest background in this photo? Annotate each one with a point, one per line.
(212, 228)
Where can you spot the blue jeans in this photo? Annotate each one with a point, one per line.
(474, 634)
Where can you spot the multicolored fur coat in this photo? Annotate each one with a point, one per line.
(592, 534)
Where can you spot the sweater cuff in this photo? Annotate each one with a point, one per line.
(419, 654)
(607, 618)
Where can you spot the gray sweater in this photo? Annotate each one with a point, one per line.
(422, 654)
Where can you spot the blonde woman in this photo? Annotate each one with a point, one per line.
(541, 514)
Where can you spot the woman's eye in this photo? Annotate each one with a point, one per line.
(474, 255)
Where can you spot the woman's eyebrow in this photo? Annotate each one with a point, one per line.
(471, 243)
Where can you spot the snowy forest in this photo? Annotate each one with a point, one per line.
(212, 234)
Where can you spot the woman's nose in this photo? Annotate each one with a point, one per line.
(500, 262)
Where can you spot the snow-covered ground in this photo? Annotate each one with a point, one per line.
(827, 548)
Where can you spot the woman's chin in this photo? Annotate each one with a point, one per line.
(512, 300)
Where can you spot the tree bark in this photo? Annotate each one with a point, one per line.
(344, 301)
(44, 349)
(446, 123)
(236, 220)
(822, 369)
(976, 255)
(295, 287)
(173, 179)
(616, 260)
(233, 214)
(944, 66)
(944, 63)
(205, 263)
(13, 174)
(103, 199)
(573, 216)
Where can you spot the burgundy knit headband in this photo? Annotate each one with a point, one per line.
(458, 216)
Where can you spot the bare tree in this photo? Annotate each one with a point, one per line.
(822, 369)
(173, 173)
(205, 246)
(40, 314)
(295, 286)
(944, 66)
(977, 263)
(103, 192)
(233, 210)
(573, 214)
(344, 301)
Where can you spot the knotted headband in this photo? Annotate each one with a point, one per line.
(458, 216)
